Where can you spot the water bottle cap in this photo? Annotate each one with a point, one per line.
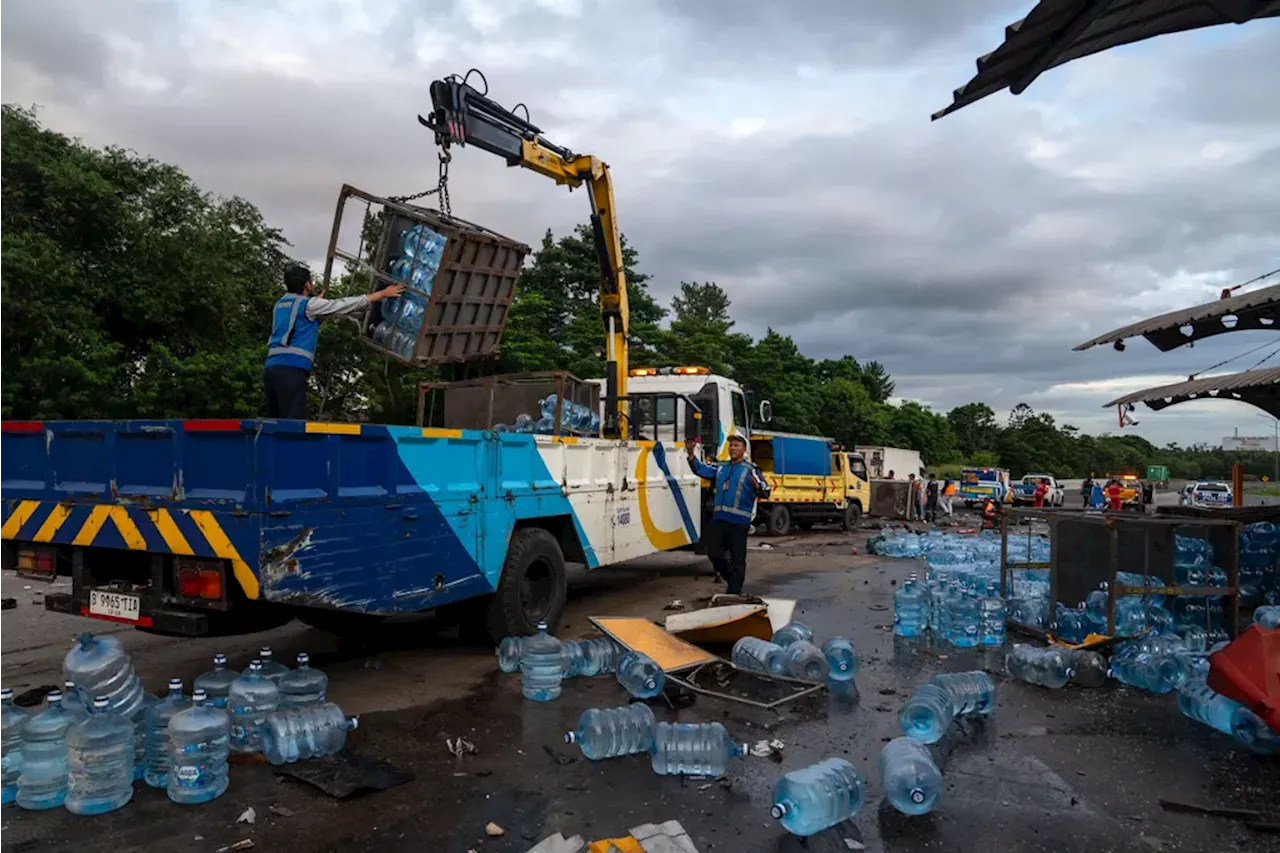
(69, 685)
(917, 796)
(175, 684)
(779, 810)
(101, 702)
(353, 723)
(255, 664)
(303, 658)
(542, 626)
(264, 653)
(219, 659)
(85, 639)
(199, 695)
(53, 696)
(5, 692)
(570, 737)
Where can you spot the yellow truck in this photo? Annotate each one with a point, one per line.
(812, 481)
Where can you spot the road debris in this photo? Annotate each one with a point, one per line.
(768, 748)
(674, 604)
(460, 746)
(242, 844)
(851, 844)
(558, 844)
(281, 810)
(1216, 811)
(248, 816)
(492, 830)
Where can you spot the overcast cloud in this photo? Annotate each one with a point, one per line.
(787, 156)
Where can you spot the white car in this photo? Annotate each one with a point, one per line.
(1207, 493)
(1024, 492)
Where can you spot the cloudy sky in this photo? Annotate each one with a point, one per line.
(788, 156)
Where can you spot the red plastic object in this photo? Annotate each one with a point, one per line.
(1248, 671)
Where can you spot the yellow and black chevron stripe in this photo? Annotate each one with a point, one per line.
(188, 533)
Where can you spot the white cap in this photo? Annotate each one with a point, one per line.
(303, 658)
(101, 702)
(5, 692)
(54, 696)
(198, 695)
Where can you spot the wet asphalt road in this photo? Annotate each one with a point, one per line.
(1069, 770)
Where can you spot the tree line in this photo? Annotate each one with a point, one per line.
(128, 292)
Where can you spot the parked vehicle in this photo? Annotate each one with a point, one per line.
(1212, 494)
(978, 484)
(1158, 475)
(1025, 491)
(811, 481)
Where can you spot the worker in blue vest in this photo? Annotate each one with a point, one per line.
(738, 484)
(295, 326)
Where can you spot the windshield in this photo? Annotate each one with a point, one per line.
(1211, 487)
(974, 475)
(1034, 479)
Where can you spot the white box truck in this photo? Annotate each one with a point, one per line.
(881, 460)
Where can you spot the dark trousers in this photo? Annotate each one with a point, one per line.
(286, 392)
(727, 548)
(931, 508)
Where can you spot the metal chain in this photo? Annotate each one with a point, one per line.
(441, 188)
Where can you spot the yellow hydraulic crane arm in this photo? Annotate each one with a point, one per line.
(462, 115)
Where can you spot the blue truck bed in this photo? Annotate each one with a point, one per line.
(355, 517)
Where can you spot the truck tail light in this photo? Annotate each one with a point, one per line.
(37, 563)
(195, 578)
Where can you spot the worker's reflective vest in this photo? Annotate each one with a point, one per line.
(737, 486)
(293, 336)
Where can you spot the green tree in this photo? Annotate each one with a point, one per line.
(877, 381)
(974, 427)
(700, 326)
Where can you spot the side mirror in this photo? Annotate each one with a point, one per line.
(766, 411)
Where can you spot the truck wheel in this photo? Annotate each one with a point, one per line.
(533, 587)
(852, 517)
(778, 522)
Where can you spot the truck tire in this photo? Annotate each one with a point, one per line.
(852, 517)
(533, 587)
(778, 520)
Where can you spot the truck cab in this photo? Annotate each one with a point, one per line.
(658, 396)
(978, 484)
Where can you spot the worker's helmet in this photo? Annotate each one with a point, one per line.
(735, 435)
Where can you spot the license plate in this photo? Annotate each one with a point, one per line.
(115, 605)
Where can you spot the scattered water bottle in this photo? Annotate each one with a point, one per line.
(1199, 702)
(541, 669)
(509, 651)
(216, 683)
(156, 773)
(572, 660)
(1268, 616)
(641, 676)
(100, 666)
(149, 701)
(842, 660)
(99, 761)
(909, 609)
(600, 656)
(792, 632)
(610, 732)
(927, 713)
(1095, 607)
(1249, 729)
(805, 661)
(971, 692)
(912, 782)
(808, 800)
(991, 617)
(272, 670)
(693, 749)
(43, 783)
(74, 700)
(12, 720)
(1088, 669)
(1157, 672)
(1070, 624)
(1034, 665)
(965, 618)
(252, 697)
(753, 654)
(303, 686)
(199, 746)
(303, 733)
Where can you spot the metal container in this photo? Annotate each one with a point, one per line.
(489, 401)
(459, 308)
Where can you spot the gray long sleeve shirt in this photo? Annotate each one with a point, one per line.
(319, 307)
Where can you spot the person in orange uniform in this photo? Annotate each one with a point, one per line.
(1041, 492)
(990, 514)
(1115, 501)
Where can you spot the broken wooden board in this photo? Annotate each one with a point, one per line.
(667, 650)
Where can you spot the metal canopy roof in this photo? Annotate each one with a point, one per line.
(1058, 31)
(1260, 388)
(1256, 309)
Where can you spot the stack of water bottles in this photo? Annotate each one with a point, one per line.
(792, 653)
(1260, 564)
(85, 753)
(575, 419)
(675, 749)
(544, 662)
(422, 250)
